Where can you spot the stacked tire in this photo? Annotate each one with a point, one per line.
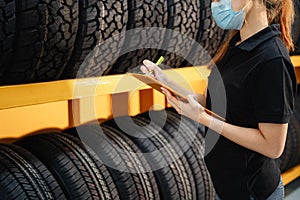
(39, 36)
(58, 39)
(149, 160)
(164, 160)
(291, 153)
(23, 176)
(79, 172)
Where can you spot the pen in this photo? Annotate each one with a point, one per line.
(160, 60)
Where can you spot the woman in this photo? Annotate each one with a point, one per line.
(260, 87)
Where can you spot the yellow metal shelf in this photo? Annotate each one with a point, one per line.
(291, 174)
(46, 92)
(60, 104)
(296, 62)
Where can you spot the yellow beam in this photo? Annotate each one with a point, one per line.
(21, 121)
(46, 92)
(296, 62)
(291, 174)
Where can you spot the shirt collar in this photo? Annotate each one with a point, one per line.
(257, 39)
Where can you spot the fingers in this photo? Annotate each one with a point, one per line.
(194, 103)
(144, 69)
(149, 65)
(191, 99)
(149, 68)
(172, 100)
(152, 66)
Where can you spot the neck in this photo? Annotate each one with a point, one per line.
(256, 20)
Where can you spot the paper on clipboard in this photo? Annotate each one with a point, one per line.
(182, 94)
(155, 84)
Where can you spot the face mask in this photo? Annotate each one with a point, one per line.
(225, 17)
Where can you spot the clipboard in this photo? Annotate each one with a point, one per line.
(181, 94)
(155, 84)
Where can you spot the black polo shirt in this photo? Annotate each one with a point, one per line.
(260, 86)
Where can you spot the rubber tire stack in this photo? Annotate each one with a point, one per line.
(174, 180)
(99, 21)
(176, 171)
(42, 35)
(189, 18)
(167, 162)
(131, 172)
(159, 157)
(79, 172)
(59, 39)
(190, 138)
(291, 153)
(50, 40)
(23, 176)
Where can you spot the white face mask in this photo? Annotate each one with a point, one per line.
(226, 17)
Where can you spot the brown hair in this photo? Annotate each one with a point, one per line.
(278, 12)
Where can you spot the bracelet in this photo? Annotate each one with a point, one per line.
(216, 125)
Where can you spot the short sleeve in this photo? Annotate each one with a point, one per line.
(274, 92)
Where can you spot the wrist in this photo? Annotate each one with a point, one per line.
(216, 125)
(204, 118)
(211, 122)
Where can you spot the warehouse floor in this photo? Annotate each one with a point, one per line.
(292, 190)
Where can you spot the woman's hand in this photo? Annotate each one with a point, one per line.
(191, 109)
(153, 70)
(159, 75)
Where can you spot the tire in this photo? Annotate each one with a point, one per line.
(295, 138)
(297, 114)
(193, 146)
(209, 37)
(23, 176)
(99, 39)
(184, 17)
(131, 172)
(44, 40)
(7, 32)
(141, 14)
(144, 179)
(296, 28)
(191, 18)
(88, 34)
(174, 178)
(195, 154)
(95, 19)
(291, 153)
(286, 155)
(194, 137)
(179, 16)
(73, 164)
(290, 156)
(172, 14)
